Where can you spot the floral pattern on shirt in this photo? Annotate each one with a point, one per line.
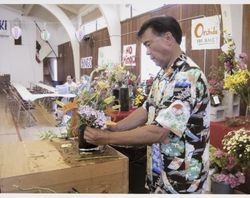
(179, 101)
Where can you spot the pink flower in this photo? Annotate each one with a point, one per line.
(232, 180)
(218, 153)
(241, 177)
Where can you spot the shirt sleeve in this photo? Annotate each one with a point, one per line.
(175, 117)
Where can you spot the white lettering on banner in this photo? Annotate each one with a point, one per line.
(4, 27)
(128, 56)
(86, 62)
(206, 33)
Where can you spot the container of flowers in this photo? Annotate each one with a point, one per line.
(231, 165)
(88, 109)
(239, 83)
(121, 82)
(237, 143)
(226, 174)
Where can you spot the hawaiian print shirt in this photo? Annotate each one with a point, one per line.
(179, 101)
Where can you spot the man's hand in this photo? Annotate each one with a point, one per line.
(96, 136)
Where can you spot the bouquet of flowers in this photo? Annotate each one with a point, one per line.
(239, 83)
(118, 76)
(89, 107)
(227, 57)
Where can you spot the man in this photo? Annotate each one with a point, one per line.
(174, 119)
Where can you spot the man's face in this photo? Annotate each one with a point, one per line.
(158, 47)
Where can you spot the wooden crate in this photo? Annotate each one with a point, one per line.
(44, 166)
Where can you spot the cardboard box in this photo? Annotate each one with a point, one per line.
(51, 166)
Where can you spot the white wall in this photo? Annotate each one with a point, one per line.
(19, 60)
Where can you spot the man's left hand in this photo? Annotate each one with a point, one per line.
(96, 136)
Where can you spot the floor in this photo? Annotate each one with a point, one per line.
(12, 131)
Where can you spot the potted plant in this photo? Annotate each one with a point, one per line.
(231, 165)
(226, 172)
(237, 143)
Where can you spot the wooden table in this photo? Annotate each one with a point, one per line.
(44, 166)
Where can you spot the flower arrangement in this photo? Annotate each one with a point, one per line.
(226, 169)
(237, 143)
(227, 57)
(230, 164)
(89, 107)
(119, 76)
(239, 83)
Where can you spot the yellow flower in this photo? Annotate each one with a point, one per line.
(239, 83)
(109, 100)
(102, 85)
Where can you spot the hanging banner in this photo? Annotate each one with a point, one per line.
(4, 27)
(86, 62)
(128, 55)
(205, 33)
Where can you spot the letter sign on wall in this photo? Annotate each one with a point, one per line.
(128, 55)
(86, 62)
(4, 27)
(206, 33)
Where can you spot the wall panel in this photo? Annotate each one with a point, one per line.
(183, 13)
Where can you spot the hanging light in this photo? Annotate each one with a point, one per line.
(80, 33)
(45, 35)
(16, 32)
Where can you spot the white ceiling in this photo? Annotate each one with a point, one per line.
(88, 12)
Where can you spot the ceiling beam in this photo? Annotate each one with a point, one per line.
(27, 9)
(68, 8)
(86, 10)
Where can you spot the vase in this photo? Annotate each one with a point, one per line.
(124, 99)
(115, 93)
(221, 188)
(247, 115)
(82, 144)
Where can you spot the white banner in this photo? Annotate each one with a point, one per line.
(106, 56)
(128, 55)
(86, 62)
(206, 33)
(4, 27)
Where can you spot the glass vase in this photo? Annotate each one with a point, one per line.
(82, 144)
(124, 99)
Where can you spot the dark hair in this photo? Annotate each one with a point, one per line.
(162, 24)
